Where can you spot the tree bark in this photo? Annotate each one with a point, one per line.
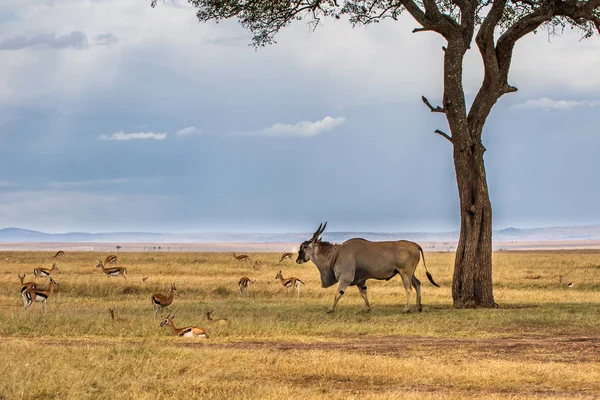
(472, 281)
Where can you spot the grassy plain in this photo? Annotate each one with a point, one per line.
(543, 341)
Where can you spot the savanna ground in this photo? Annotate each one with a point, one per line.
(543, 341)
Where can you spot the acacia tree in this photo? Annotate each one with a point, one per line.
(494, 26)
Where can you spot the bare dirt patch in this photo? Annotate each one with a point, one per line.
(566, 349)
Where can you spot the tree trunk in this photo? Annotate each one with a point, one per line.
(472, 282)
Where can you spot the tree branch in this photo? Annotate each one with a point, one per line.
(432, 108)
(444, 134)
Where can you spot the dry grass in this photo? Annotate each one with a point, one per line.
(544, 341)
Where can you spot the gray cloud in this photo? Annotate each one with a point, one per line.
(74, 40)
(230, 41)
(106, 39)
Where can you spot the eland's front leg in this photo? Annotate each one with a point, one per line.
(341, 289)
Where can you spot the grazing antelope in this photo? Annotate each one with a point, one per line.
(291, 282)
(144, 279)
(161, 301)
(188, 331)
(258, 264)
(111, 259)
(26, 286)
(244, 284)
(59, 253)
(44, 272)
(242, 257)
(220, 321)
(286, 256)
(39, 295)
(113, 271)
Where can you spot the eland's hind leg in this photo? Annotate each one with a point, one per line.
(417, 285)
(362, 288)
(406, 282)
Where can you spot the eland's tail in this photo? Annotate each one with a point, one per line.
(427, 272)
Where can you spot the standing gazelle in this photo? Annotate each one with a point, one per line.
(44, 272)
(39, 295)
(244, 284)
(59, 253)
(26, 286)
(161, 301)
(112, 271)
(188, 331)
(291, 282)
(220, 321)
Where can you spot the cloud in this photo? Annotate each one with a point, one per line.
(76, 40)
(231, 41)
(106, 39)
(544, 103)
(133, 136)
(190, 130)
(303, 128)
(76, 184)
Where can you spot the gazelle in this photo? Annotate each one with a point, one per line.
(39, 295)
(258, 264)
(111, 311)
(161, 301)
(244, 284)
(188, 331)
(285, 256)
(112, 271)
(220, 321)
(59, 253)
(111, 259)
(44, 272)
(242, 257)
(291, 282)
(26, 286)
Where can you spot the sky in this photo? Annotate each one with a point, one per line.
(115, 116)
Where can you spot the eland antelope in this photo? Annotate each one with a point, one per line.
(356, 260)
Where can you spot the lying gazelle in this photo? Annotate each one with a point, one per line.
(112, 271)
(291, 282)
(188, 331)
(220, 321)
(59, 253)
(39, 295)
(244, 284)
(161, 301)
(26, 286)
(44, 272)
(111, 259)
(242, 257)
(285, 256)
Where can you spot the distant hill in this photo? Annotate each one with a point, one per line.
(591, 232)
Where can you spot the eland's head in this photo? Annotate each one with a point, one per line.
(306, 248)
